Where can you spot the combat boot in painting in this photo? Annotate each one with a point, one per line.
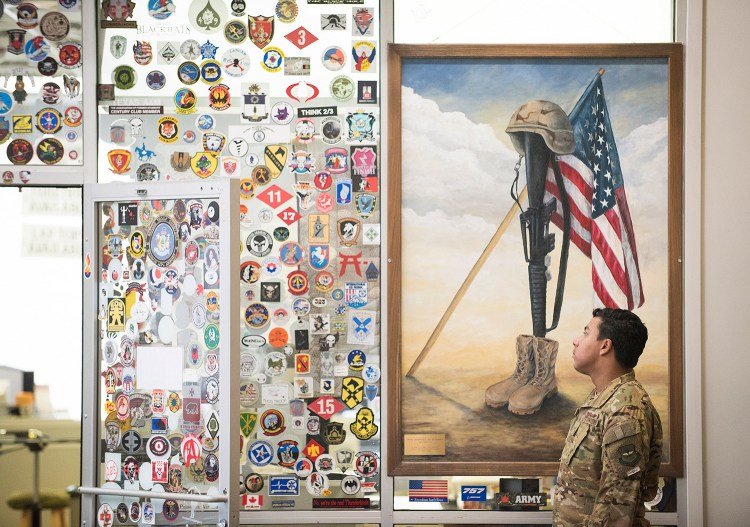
(529, 398)
(498, 394)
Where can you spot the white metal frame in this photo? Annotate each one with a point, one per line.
(227, 194)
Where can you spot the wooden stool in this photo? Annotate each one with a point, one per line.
(55, 501)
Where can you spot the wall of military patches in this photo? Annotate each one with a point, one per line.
(283, 97)
(40, 91)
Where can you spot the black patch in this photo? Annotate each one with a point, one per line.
(628, 455)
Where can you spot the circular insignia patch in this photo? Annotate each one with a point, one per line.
(273, 59)
(286, 11)
(185, 101)
(210, 71)
(205, 122)
(50, 93)
(342, 88)
(36, 49)
(47, 67)
(55, 26)
(190, 49)
(350, 485)
(188, 72)
(256, 315)
(291, 254)
(259, 243)
(156, 80)
(73, 116)
(124, 77)
(211, 336)
(236, 62)
(334, 58)
(162, 242)
(26, 16)
(48, 120)
(20, 151)
(235, 32)
(253, 482)
(297, 282)
(70, 55)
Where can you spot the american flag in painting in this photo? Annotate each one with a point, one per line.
(428, 490)
(600, 218)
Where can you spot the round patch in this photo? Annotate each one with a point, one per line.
(70, 55)
(50, 93)
(342, 88)
(26, 16)
(317, 484)
(282, 113)
(238, 7)
(303, 467)
(297, 282)
(210, 71)
(162, 242)
(356, 360)
(20, 151)
(281, 234)
(256, 315)
(260, 453)
(47, 67)
(286, 11)
(188, 73)
(291, 254)
(55, 26)
(253, 482)
(273, 59)
(185, 100)
(190, 49)
(205, 122)
(249, 272)
(48, 120)
(350, 485)
(334, 58)
(156, 80)
(124, 77)
(36, 49)
(259, 243)
(235, 32)
(236, 62)
(366, 464)
(73, 116)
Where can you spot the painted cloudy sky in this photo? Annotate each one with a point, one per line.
(457, 171)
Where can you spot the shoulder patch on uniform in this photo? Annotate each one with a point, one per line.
(621, 431)
(628, 455)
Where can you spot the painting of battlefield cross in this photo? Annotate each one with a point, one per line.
(508, 241)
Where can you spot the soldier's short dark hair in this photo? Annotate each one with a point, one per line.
(626, 331)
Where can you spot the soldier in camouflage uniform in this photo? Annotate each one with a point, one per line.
(610, 463)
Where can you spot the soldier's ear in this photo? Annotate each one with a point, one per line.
(606, 347)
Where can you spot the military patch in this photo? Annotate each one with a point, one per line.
(628, 455)
(261, 30)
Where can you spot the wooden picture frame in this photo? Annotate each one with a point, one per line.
(455, 319)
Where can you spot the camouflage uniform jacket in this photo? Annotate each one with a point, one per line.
(610, 463)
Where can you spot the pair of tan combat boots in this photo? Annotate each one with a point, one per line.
(533, 380)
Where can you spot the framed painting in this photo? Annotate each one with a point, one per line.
(527, 186)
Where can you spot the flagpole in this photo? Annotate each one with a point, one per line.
(467, 282)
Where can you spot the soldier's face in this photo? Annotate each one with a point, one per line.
(587, 347)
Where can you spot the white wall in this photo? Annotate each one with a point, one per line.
(726, 252)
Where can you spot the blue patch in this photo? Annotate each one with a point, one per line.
(473, 493)
(283, 486)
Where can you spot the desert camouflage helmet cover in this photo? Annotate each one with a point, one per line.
(546, 119)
